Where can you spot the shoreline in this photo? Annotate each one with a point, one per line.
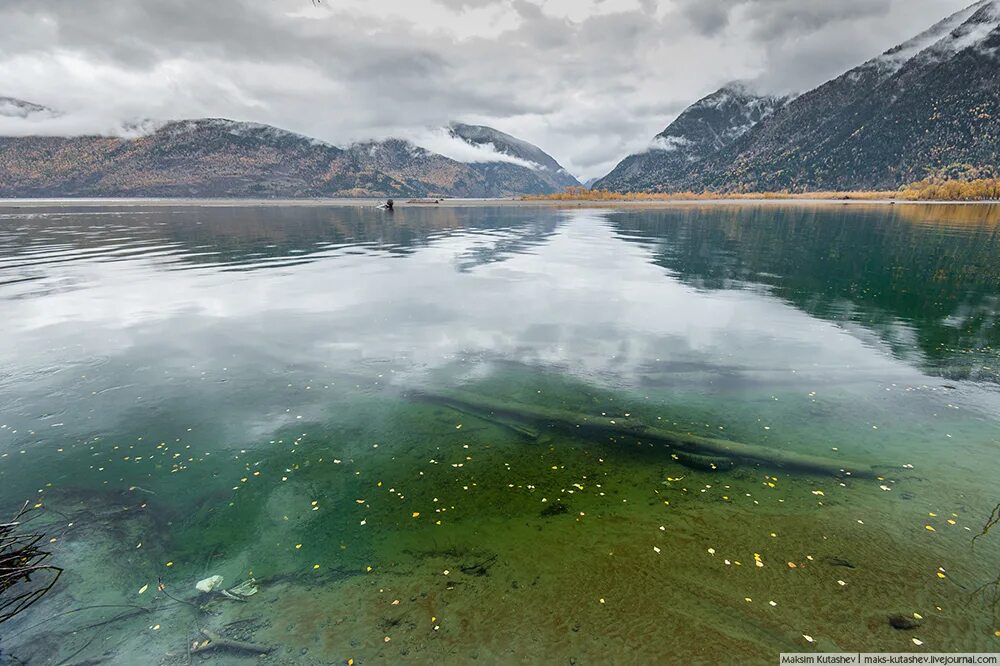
(15, 204)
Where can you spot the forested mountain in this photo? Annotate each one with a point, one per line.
(225, 158)
(930, 104)
(702, 130)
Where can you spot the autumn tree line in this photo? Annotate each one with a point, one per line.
(929, 189)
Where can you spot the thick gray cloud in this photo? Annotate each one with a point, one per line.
(588, 80)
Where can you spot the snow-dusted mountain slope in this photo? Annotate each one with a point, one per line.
(930, 104)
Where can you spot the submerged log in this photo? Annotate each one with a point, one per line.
(213, 641)
(601, 426)
(504, 422)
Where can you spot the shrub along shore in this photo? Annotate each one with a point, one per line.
(931, 189)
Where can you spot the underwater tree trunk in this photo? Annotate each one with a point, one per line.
(601, 426)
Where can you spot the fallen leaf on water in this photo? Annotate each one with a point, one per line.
(655, 549)
(416, 514)
(917, 641)
(808, 638)
(143, 588)
(929, 528)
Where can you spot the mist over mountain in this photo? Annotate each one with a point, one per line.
(226, 158)
(702, 130)
(18, 108)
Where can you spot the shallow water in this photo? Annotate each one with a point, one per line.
(243, 392)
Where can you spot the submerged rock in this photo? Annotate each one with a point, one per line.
(554, 509)
(903, 622)
(208, 584)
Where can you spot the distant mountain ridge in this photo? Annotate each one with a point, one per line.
(546, 167)
(214, 157)
(18, 108)
(929, 104)
(708, 126)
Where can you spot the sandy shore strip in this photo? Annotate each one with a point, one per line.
(9, 204)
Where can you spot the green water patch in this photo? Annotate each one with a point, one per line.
(409, 530)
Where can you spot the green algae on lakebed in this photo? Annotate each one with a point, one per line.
(383, 528)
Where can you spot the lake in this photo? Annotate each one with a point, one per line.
(503, 434)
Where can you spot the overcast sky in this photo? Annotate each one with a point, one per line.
(589, 81)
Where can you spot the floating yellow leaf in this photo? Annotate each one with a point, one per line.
(416, 514)
(170, 564)
(143, 588)
(156, 627)
(929, 528)
(298, 546)
(315, 566)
